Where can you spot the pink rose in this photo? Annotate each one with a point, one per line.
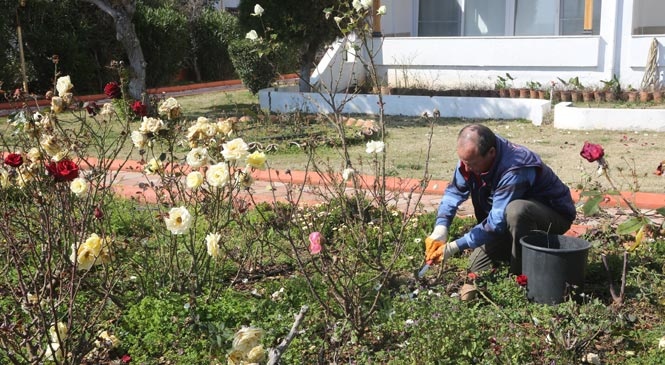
(14, 160)
(592, 152)
(315, 241)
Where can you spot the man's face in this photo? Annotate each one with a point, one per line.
(472, 160)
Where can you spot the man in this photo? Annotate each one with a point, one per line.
(512, 191)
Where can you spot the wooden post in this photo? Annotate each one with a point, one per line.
(376, 19)
(588, 16)
(19, 35)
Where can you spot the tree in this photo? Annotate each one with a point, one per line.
(295, 22)
(122, 12)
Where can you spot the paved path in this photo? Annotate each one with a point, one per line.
(274, 185)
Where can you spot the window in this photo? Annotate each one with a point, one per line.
(507, 17)
(648, 17)
(439, 18)
(482, 18)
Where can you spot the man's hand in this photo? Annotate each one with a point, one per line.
(432, 245)
(438, 251)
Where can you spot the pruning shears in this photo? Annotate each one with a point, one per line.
(426, 267)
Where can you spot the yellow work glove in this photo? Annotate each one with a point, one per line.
(431, 246)
(439, 251)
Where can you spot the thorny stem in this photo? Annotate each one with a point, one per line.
(618, 299)
(630, 204)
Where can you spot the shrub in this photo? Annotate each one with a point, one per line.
(212, 32)
(256, 70)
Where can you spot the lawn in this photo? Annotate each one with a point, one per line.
(173, 282)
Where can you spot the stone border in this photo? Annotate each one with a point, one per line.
(285, 100)
(567, 116)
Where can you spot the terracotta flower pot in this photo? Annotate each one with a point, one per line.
(575, 96)
(514, 93)
(631, 96)
(587, 96)
(524, 93)
(503, 93)
(610, 96)
(533, 94)
(564, 95)
(657, 96)
(645, 96)
(542, 94)
(599, 96)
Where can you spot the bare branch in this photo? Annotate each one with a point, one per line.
(277, 352)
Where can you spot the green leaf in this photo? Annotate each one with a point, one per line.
(631, 225)
(591, 206)
(591, 193)
(661, 210)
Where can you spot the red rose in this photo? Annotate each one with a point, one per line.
(521, 280)
(14, 160)
(592, 152)
(63, 170)
(660, 168)
(112, 90)
(98, 213)
(92, 108)
(139, 108)
(126, 359)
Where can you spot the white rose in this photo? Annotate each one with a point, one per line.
(218, 175)
(34, 154)
(212, 244)
(197, 157)
(258, 10)
(63, 85)
(139, 139)
(170, 108)
(375, 147)
(251, 35)
(235, 150)
(151, 125)
(194, 180)
(225, 127)
(178, 220)
(381, 10)
(153, 166)
(4, 178)
(79, 186)
(107, 110)
(58, 331)
(347, 173)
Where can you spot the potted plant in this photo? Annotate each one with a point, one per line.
(631, 94)
(576, 88)
(612, 88)
(565, 94)
(534, 87)
(598, 94)
(645, 95)
(657, 95)
(501, 85)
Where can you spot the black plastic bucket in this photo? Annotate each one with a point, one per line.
(554, 265)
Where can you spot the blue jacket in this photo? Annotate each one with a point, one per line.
(517, 173)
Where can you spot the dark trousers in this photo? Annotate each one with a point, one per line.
(522, 216)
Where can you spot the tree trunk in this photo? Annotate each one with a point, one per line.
(122, 12)
(306, 62)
